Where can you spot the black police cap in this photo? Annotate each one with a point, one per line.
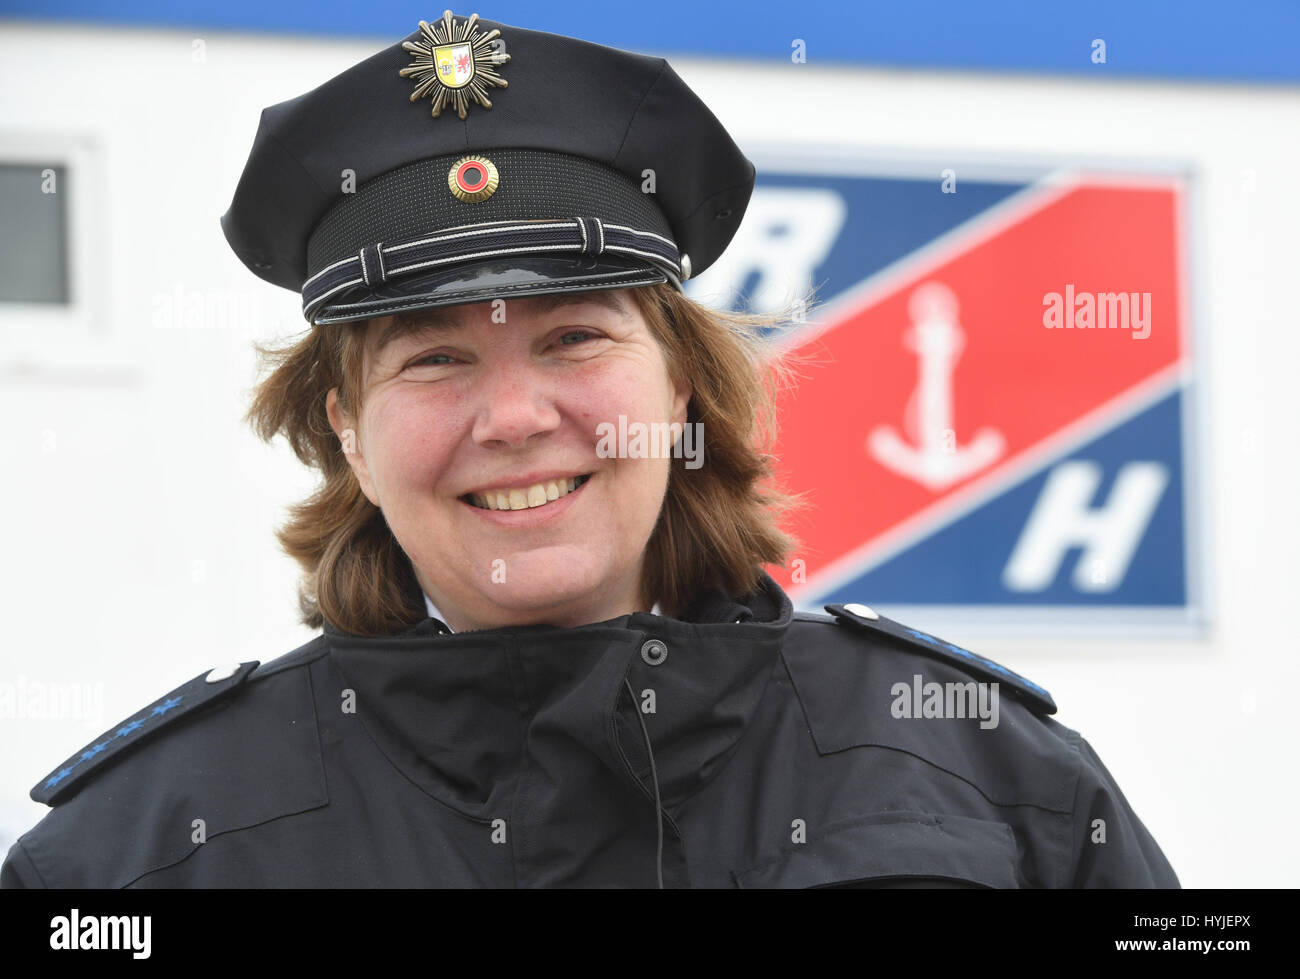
(488, 161)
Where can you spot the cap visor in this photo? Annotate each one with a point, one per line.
(511, 277)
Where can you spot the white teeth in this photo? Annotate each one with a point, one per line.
(539, 494)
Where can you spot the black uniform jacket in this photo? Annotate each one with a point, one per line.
(780, 748)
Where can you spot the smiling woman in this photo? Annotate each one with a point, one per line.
(549, 657)
(405, 416)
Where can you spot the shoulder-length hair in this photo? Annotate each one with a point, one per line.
(719, 522)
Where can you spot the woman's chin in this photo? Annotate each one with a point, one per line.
(545, 594)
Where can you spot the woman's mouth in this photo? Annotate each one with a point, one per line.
(526, 497)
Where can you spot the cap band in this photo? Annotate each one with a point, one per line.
(378, 263)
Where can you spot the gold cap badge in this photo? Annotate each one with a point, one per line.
(473, 179)
(454, 63)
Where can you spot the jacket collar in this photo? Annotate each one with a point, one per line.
(458, 713)
(435, 613)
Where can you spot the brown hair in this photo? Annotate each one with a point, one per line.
(717, 527)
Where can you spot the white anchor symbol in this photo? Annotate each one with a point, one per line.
(935, 461)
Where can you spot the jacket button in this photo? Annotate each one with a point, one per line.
(865, 611)
(654, 652)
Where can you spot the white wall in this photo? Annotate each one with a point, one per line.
(138, 547)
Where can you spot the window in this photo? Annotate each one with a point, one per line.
(55, 257)
(34, 250)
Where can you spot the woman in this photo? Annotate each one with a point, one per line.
(549, 655)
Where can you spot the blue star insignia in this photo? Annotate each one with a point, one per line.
(58, 777)
(92, 751)
(166, 705)
(127, 729)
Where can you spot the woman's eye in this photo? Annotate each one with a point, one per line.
(428, 360)
(432, 360)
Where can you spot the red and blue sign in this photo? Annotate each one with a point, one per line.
(993, 405)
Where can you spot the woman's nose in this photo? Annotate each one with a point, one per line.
(514, 404)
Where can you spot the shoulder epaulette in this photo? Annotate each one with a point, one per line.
(203, 689)
(865, 618)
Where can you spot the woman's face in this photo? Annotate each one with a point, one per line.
(501, 396)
